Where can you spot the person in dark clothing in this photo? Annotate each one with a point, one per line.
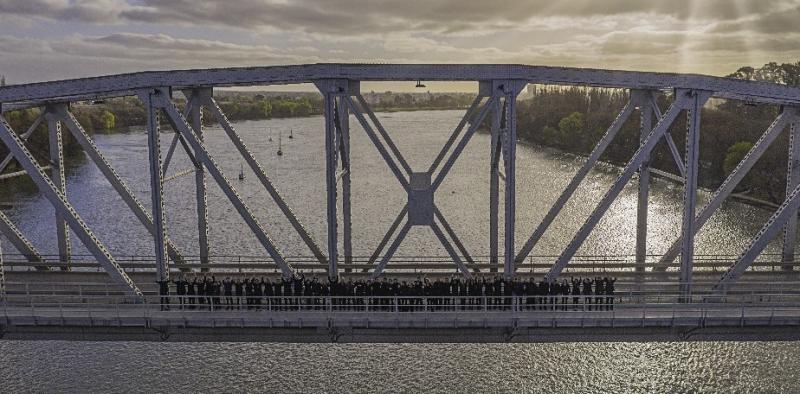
(610, 292)
(180, 289)
(576, 291)
(599, 291)
(201, 292)
(163, 292)
(258, 292)
(587, 294)
(239, 287)
(248, 293)
(190, 293)
(227, 287)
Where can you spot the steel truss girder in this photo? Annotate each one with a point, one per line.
(375, 141)
(22, 244)
(449, 248)
(452, 234)
(331, 154)
(205, 158)
(186, 113)
(731, 182)
(387, 236)
(15, 96)
(195, 111)
(768, 232)
(264, 179)
(494, 185)
(792, 181)
(59, 201)
(365, 107)
(509, 149)
(673, 149)
(2, 275)
(456, 132)
(88, 146)
(156, 185)
(645, 125)
(406, 184)
(38, 121)
(682, 102)
(448, 164)
(59, 180)
(690, 190)
(342, 123)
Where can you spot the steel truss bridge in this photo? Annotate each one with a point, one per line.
(689, 281)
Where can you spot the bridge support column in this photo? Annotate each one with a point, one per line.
(342, 122)
(330, 181)
(509, 149)
(697, 101)
(645, 126)
(2, 275)
(59, 180)
(494, 184)
(337, 146)
(194, 100)
(792, 180)
(156, 184)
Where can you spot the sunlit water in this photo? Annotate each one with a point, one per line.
(377, 198)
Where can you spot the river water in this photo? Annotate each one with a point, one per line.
(377, 198)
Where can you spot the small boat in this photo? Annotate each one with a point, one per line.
(291, 133)
(280, 151)
(269, 133)
(241, 172)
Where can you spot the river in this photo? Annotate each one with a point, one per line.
(377, 198)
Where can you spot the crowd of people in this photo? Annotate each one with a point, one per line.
(386, 294)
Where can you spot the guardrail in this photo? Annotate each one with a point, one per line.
(617, 264)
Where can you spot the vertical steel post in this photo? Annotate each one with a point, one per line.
(494, 184)
(196, 120)
(646, 125)
(690, 192)
(330, 181)
(59, 180)
(344, 152)
(2, 274)
(792, 180)
(156, 184)
(510, 158)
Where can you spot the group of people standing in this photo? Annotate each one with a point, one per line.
(298, 292)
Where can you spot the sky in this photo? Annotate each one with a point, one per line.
(44, 40)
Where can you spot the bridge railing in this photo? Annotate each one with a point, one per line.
(621, 265)
(404, 303)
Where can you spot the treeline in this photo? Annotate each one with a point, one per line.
(574, 119)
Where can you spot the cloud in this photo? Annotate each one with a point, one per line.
(88, 11)
(782, 21)
(358, 17)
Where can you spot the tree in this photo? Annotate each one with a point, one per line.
(736, 153)
(108, 120)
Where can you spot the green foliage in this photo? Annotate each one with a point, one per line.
(735, 154)
(109, 120)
